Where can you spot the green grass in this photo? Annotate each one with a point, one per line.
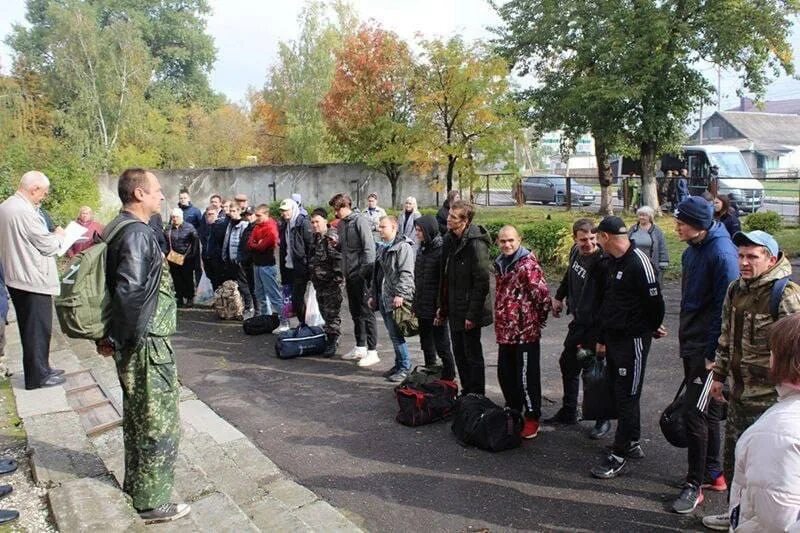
(12, 432)
(788, 189)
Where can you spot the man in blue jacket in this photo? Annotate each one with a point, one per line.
(709, 265)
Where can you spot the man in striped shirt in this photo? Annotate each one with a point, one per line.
(630, 310)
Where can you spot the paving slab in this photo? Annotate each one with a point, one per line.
(214, 513)
(291, 494)
(321, 516)
(110, 448)
(203, 418)
(191, 482)
(271, 514)
(92, 504)
(226, 475)
(60, 450)
(251, 461)
(38, 401)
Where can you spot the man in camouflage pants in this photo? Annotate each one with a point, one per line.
(743, 351)
(326, 276)
(143, 316)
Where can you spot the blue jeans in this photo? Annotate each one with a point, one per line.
(268, 290)
(402, 359)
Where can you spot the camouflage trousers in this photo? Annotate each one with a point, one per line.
(150, 423)
(741, 415)
(329, 298)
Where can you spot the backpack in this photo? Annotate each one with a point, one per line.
(775, 295)
(228, 303)
(83, 306)
(480, 422)
(425, 403)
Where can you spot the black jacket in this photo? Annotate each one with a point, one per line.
(466, 270)
(630, 304)
(158, 228)
(302, 243)
(133, 272)
(576, 287)
(183, 239)
(441, 217)
(427, 268)
(245, 255)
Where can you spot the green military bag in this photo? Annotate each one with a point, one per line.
(406, 320)
(84, 305)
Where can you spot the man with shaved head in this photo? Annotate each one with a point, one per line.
(28, 258)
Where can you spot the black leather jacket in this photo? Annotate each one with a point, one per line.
(133, 272)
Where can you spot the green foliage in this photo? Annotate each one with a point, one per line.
(550, 240)
(768, 221)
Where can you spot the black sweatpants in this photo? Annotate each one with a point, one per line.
(215, 271)
(435, 340)
(366, 328)
(519, 374)
(627, 358)
(182, 278)
(702, 427)
(468, 353)
(571, 367)
(35, 321)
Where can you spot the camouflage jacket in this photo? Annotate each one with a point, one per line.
(743, 348)
(326, 258)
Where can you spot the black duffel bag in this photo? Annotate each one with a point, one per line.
(673, 421)
(479, 422)
(424, 403)
(259, 325)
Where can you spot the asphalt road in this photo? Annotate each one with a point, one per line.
(331, 426)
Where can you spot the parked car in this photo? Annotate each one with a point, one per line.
(553, 189)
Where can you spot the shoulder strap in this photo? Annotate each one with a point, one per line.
(776, 296)
(111, 231)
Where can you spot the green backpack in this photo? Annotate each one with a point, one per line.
(84, 305)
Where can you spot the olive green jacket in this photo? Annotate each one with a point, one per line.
(743, 348)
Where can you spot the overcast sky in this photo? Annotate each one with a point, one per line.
(247, 32)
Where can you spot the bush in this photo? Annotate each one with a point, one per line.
(550, 240)
(768, 221)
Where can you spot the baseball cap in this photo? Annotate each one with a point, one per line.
(758, 238)
(613, 225)
(249, 211)
(287, 205)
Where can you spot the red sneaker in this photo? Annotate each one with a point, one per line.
(530, 428)
(718, 484)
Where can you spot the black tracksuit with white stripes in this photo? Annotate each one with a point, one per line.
(630, 308)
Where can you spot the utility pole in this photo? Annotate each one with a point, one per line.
(719, 88)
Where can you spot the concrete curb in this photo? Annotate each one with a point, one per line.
(231, 485)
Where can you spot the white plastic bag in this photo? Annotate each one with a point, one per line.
(313, 316)
(204, 295)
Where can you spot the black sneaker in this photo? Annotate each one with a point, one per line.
(691, 496)
(634, 451)
(165, 513)
(601, 429)
(398, 376)
(563, 418)
(612, 466)
(390, 372)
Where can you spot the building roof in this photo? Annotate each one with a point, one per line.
(787, 107)
(762, 131)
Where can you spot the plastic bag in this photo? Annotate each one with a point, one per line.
(204, 295)
(313, 316)
(598, 392)
(288, 308)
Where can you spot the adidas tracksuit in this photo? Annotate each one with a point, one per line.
(630, 309)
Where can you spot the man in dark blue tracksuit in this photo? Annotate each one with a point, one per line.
(709, 264)
(630, 310)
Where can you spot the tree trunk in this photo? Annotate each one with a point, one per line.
(451, 165)
(604, 176)
(649, 188)
(392, 172)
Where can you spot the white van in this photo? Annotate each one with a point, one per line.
(735, 178)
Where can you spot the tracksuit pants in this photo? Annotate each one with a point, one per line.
(519, 374)
(627, 358)
(365, 325)
(468, 353)
(703, 427)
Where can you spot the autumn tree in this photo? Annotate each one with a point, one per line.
(629, 71)
(463, 107)
(369, 107)
(302, 76)
(269, 125)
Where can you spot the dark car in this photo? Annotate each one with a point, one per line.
(553, 189)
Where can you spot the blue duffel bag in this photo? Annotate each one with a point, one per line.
(300, 341)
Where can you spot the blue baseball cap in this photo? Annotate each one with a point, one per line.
(757, 238)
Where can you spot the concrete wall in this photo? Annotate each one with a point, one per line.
(316, 183)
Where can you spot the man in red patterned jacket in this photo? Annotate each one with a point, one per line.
(522, 302)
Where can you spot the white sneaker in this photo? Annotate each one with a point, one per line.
(248, 314)
(356, 353)
(370, 359)
(280, 329)
(717, 522)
